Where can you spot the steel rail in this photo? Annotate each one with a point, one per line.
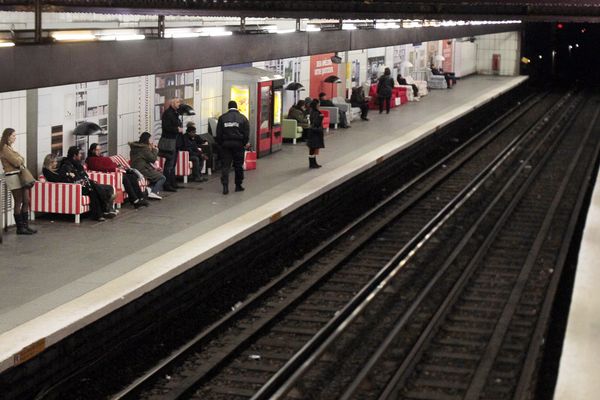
(285, 378)
(503, 121)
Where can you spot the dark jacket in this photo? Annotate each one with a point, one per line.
(401, 80)
(191, 145)
(170, 124)
(142, 158)
(299, 115)
(326, 103)
(72, 171)
(314, 138)
(385, 86)
(357, 98)
(52, 176)
(233, 129)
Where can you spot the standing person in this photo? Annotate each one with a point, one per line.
(315, 135)
(358, 99)
(385, 85)
(233, 134)
(18, 180)
(96, 162)
(172, 128)
(143, 154)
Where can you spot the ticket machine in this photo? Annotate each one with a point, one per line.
(258, 93)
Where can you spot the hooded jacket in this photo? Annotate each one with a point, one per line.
(142, 158)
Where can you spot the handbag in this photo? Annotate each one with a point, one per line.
(167, 146)
(249, 160)
(27, 180)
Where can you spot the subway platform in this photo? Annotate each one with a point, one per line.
(69, 275)
(580, 362)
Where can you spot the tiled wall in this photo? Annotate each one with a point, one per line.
(13, 114)
(507, 45)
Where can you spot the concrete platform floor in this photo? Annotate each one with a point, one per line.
(65, 260)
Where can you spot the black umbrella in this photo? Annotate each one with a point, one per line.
(87, 129)
(332, 79)
(294, 86)
(185, 109)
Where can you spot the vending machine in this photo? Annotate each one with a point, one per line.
(258, 93)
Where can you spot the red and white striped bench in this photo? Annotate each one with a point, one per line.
(114, 179)
(58, 198)
(120, 160)
(183, 167)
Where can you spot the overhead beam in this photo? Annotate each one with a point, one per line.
(35, 66)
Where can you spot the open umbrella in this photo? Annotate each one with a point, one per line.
(333, 80)
(185, 109)
(87, 129)
(296, 86)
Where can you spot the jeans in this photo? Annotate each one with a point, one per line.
(169, 168)
(233, 155)
(132, 187)
(157, 186)
(388, 101)
(197, 164)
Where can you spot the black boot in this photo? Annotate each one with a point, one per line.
(225, 188)
(20, 228)
(239, 188)
(25, 221)
(312, 162)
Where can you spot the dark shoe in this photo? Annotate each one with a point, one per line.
(100, 219)
(25, 221)
(137, 204)
(20, 228)
(108, 215)
(312, 163)
(239, 188)
(144, 203)
(168, 188)
(225, 189)
(364, 118)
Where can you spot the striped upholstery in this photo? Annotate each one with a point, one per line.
(120, 160)
(114, 179)
(58, 198)
(183, 167)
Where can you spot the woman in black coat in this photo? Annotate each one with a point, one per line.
(384, 90)
(172, 129)
(315, 134)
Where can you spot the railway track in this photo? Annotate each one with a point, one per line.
(283, 334)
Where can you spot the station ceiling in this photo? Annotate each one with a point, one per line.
(549, 10)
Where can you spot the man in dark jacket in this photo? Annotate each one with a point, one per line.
(385, 86)
(172, 128)
(233, 134)
(325, 102)
(190, 144)
(101, 196)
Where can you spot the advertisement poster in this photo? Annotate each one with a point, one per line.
(448, 63)
(321, 67)
(375, 67)
(241, 95)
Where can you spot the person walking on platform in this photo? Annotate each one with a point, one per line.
(385, 86)
(172, 129)
(315, 135)
(233, 134)
(18, 180)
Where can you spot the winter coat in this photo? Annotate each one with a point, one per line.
(72, 171)
(142, 158)
(233, 129)
(298, 114)
(11, 160)
(358, 98)
(314, 138)
(52, 176)
(385, 85)
(101, 164)
(171, 124)
(190, 145)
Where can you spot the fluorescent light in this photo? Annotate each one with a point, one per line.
(348, 27)
(215, 31)
(177, 35)
(73, 36)
(313, 28)
(284, 31)
(122, 37)
(386, 25)
(7, 44)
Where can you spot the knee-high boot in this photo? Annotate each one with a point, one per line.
(20, 228)
(25, 221)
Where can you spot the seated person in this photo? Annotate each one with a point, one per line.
(402, 81)
(50, 169)
(449, 76)
(307, 103)
(298, 112)
(143, 154)
(101, 196)
(358, 99)
(325, 102)
(96, 162)
(191, 145)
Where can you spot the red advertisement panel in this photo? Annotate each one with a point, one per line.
(448, 64)
(320, 68)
